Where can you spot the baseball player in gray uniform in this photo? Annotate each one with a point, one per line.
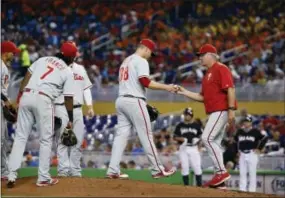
(8, 50)
(69, 157)
(132, 112)
(47, 78)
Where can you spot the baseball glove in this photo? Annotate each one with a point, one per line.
(57, 123)
(68, 137)
(10, 114)
(153, 112)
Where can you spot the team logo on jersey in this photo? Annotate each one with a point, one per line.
(78, 77)
(209, 76)
(249, 138)
(189, 130)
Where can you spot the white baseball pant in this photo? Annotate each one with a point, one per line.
(190, 154)
(69, 157)
(132, 113)
(212, 137)
(248, 164)
(34, 108)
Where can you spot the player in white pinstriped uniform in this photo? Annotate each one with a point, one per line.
(8, 49)
(69, 157)
(46, 79)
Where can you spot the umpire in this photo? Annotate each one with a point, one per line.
(187, 134)
(251, 142)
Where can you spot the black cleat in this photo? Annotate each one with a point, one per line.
(10, 184)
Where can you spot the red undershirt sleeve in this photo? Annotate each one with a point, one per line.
(145, 81)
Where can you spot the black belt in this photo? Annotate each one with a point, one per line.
(74, 106)
(189, 144)
(131, 96)
(246, 151)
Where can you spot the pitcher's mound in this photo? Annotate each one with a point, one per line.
(84, 187)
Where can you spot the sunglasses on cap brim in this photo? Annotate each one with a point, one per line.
(200, 54)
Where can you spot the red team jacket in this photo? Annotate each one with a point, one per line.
(214, 88)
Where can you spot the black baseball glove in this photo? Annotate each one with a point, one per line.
(68, 137)
(153, 112)
(57, 123)
(10, 114)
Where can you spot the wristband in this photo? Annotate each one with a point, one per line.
(70, 115)
(231, 108)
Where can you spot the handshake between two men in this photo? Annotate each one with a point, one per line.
(177, 89)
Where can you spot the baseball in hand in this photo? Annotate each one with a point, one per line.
(177, 88)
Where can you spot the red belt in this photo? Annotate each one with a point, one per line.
(39, 92)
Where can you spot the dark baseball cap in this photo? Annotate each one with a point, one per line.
(247, 118)
(188, 111)
(69, 49)
(149, 44)
(207, 48)
(9, 46)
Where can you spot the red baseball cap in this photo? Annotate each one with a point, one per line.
(149, 44)
(69, 49)
(207, 48)
(8, 46)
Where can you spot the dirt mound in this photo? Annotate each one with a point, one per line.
(84, 187)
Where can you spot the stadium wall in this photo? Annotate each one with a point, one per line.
(269, 182)
(276, 108)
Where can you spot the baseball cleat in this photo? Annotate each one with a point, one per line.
(11, 184)
(222, 186)
(117, 176)
(218, 179)
(165, 173)
(62, 175)
(47, 183)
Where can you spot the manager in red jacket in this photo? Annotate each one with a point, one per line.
(218, 96)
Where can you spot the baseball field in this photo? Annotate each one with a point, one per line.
(93, 184)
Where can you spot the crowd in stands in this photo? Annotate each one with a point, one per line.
(178, 27)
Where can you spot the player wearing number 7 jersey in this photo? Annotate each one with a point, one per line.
(47, 78)
(132, 111)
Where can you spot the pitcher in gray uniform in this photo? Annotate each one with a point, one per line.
(132, 112)
(46, 79)
(8, 50)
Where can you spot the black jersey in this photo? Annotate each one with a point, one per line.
(188, 131)
(253, 139)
